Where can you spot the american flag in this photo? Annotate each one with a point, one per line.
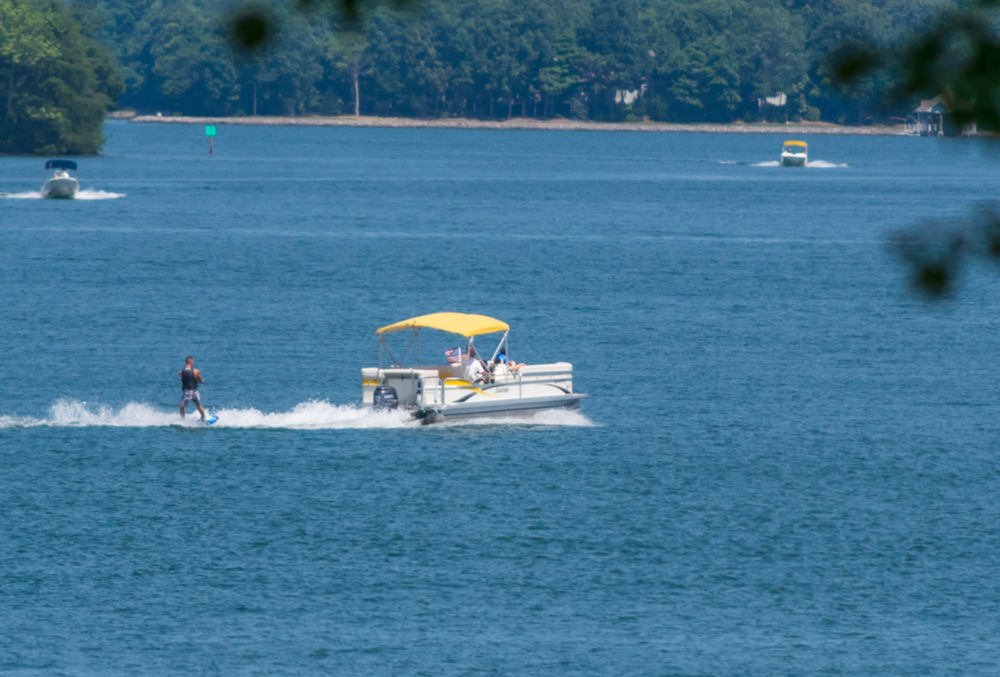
(454, 356)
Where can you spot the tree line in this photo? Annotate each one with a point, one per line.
(64, 64)
(668, 60)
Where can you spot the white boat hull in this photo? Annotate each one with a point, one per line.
(523, 406)
(61, 188)
(436, 393)
(793, 159)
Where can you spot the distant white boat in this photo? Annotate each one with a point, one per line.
(795, 154)
(62, 185)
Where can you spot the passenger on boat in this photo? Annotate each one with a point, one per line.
(474, 366)
(511, 364)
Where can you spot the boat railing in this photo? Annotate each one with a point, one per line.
(426, 385)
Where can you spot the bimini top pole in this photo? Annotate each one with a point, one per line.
(500, 345)
(387, 351)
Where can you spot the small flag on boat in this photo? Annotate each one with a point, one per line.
(454, 356)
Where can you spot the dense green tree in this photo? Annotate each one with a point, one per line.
(350, 55)
(616, 53)
(25, 39)
(60, 82)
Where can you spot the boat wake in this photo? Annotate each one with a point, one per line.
(81, 195)
(22, 196)
(98, 195)
(551, 417)
(812, 164)
(822, 164)
(312, 415)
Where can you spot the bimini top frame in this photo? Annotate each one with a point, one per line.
(463, 324)
(61, 164)
(453, 323)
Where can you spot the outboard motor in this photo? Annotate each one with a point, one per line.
(385, 397)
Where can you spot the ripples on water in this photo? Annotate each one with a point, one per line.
(787, 464)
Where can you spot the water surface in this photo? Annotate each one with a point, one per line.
(787, 464)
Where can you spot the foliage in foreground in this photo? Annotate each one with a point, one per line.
(689, 60)
(958, 54)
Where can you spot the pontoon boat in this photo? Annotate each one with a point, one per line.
(466, 384)
(795, 154)
(63, 184)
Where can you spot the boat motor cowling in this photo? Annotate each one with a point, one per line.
(385, 397)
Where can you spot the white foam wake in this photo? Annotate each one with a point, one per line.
(312, 415)
(81, 195)
(35, 195)
(550, 417)
(98, 195)
(812, 164)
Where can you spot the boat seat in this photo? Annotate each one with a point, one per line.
(447, 370)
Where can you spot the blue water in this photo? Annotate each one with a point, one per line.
(788, 463)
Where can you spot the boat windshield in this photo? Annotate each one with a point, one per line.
(795, 149)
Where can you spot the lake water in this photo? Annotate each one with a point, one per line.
(788, 463)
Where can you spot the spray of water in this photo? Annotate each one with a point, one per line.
(312, 415)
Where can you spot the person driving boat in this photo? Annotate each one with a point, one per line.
(474, 366)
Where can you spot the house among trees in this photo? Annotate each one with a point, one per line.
(934, 118)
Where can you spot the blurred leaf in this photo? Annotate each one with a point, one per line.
(252, 29)
(933, 256)
(991, 233)
(918, 64)
(851, 62)
(254, 26)
(934, 280)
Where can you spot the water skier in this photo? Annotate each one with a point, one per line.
(190, 378)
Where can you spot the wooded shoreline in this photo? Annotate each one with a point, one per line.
(524, 124)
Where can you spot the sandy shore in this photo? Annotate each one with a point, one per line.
(524, 123)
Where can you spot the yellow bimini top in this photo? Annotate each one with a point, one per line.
(453, 323)
(797, 143)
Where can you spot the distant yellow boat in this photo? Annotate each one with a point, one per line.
(795, 154)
